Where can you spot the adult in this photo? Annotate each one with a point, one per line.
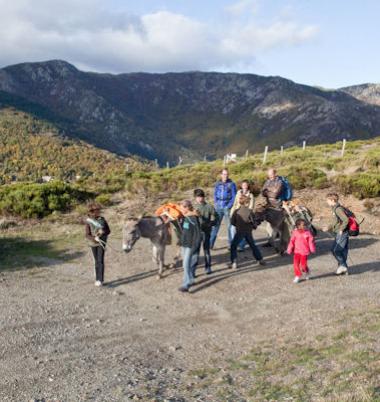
(224, 197)
(272, 191)
(208, 218)
(339, 227)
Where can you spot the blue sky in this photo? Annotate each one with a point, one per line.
(326, 43)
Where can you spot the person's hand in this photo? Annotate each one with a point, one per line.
(325, 229)
(341, 232)
(96, 238)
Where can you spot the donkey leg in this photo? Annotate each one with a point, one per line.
(161, 261)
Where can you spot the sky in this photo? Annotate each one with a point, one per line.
(328, 43)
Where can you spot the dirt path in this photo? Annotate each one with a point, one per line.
(62, 339)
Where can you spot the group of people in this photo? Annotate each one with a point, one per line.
(201, 223)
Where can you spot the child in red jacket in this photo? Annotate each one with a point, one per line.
(302, 244)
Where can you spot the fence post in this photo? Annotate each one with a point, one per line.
(205, 158)
(246, 154)
(303, 145)
(343, 147)
(180, 160)
(224, 160)
(265, 154)
(156, 163)
(282, 150)
(167, 165)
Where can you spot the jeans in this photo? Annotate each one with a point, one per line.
(98, 253)
(248, 237)
(340, 248)
(189, 258)
(222, 213)
(243, 243)
(206, 251)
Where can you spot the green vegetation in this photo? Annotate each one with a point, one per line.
(39, 200)
(317, 167)
(338, 367)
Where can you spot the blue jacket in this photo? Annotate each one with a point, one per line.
(224, 194)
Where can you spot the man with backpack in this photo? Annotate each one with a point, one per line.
(344, 224)
(224, 197)
(276, 189)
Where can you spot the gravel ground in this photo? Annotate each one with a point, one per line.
(137, 338)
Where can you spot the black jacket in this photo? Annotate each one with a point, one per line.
(191, 232)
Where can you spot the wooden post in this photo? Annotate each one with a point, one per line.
(282, 150)
(224, 160)
(303, 145)
(167, 165)
(246, 154)
(265, 154)
(180, 160)
(205, 158)
(343, 147)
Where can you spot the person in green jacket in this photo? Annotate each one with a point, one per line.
(208, 219)
(339, 227)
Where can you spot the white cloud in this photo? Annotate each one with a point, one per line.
(243, 6)
(91, 37)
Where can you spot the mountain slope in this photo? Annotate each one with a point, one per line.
(368, 93)
(33, 147)
(189, 114)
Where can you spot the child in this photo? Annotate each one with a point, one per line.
(244, 221)
(340, 229)
(302, 244)
(208, 219)
(190, 243)
(97, 231)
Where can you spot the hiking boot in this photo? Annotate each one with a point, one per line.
(266, 245)
(296, 279)
(183, 289)
(241, 250)
(234, 265)
(262, 262)
(307, 277)
(342, 270)
(208, 271)
(98, 283)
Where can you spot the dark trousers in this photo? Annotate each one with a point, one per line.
(251, 242)
(98, 253)
(340, 248)
(206, 250)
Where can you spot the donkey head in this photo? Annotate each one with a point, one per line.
(131, 233)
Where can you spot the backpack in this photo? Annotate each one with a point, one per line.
(353, 226)
(287, 191)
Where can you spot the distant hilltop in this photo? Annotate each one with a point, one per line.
(191, 114)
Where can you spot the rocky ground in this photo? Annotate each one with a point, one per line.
(137, 338)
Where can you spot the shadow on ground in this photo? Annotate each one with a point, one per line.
(21, 253)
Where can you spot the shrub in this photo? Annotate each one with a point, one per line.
(104, 199)
(39, 200)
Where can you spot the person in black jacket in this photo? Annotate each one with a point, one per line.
(190, 242)
(97, 231)
(244, 220)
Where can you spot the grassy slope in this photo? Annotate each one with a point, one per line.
(320, 166)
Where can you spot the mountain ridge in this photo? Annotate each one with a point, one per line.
(192, 114)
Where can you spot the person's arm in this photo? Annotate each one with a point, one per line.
(233, 195)
(216, 194)
(106, 229)
(235, 205)
(251, 202)
(342, 219)
(291, 244)
(311, 243)
(214, 217)
(88, 234)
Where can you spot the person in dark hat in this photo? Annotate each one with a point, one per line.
(97, 231)
(208, 219)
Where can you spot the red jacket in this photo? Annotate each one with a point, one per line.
(301, 242)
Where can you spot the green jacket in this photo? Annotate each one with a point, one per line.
(207, 216)
(340, 221)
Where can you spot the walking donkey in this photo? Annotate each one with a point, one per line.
(156, 230)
